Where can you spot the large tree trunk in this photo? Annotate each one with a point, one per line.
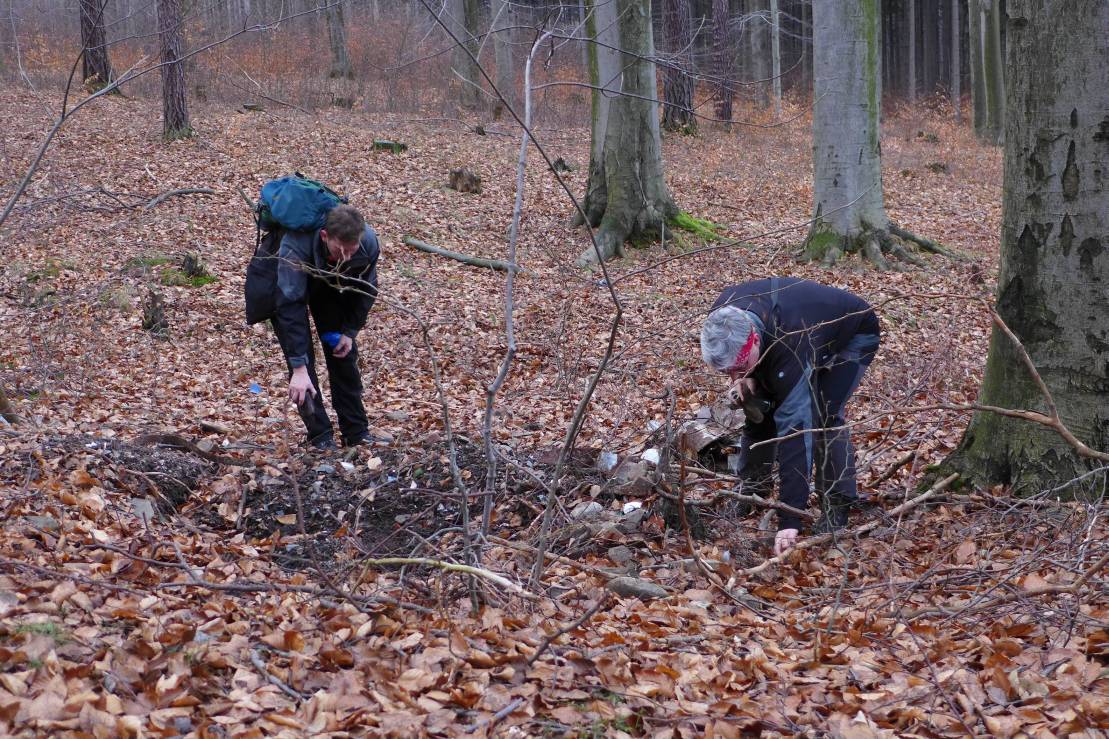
(175, 108)
(910, 14)
(96, 67)
(976, 48)
(626, 195)
(847, 163)
(723, 55)
(337, 36)
(1054, 256)
(463, 18)
(758, 38)
(956, 72)
(994, 76)
(678, 82)
(503, 20)
(677, 76)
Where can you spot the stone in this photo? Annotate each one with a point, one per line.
(629, 472)
(621, 555)
(631, 522)
(634, 587)
(325, 469)
(46, 523)
(586, 510)
(398, 416)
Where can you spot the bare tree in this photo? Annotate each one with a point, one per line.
(910, 39)
(1054, 266)
(956, 73)
(677, 78)
(175, 107)
(341, 67)
(626, 194)
(722, 55)
(501, 27)
(463, 17)
(96, 68)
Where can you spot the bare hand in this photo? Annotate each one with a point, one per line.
(740, 391)
(300, 386)
(343, 347)
(785, 539)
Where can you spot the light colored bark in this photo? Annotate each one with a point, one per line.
(758, 37)
(1054, 255)
(910, 12)
(503, 19)
(994, 76)
(956, 72)
(776, 56)
(847, 165)
(626, 164)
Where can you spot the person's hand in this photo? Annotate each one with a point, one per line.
(740, 391)
(343, 347)
(785, 539)
(300, 386)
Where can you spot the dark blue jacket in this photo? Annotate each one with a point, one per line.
(305, 276)
(804, 325)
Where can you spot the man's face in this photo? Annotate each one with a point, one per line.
(337, 251)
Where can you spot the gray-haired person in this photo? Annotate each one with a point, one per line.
(803, 347)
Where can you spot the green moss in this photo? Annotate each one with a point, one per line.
(699, 227)
(820, 241)
(44, 628)
(177, 278)
(179, 133)
(147, 261)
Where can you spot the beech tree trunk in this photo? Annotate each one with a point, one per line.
(95, 65)
(722, 55)
(626, 195)
(758, 37)
(956, 72)
(463, 18)
(677, 79)
(976, 48)
(1052, 286)
(337, 35)
(847, 164)
(910, 14)
(175, 107)
(776, 57)
(994, 75)
(504, 18)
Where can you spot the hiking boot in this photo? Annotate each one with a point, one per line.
(370, 438)
(326, 444)
(832, 518)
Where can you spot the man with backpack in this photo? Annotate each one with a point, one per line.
(330, 272)
(802, 348)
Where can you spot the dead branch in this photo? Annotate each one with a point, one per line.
(459, 256)
(175, 193)
(579, 566)
(501, 580)
(547, 641)
(923, 243)
(259, 665)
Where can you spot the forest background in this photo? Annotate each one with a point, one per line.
(174, 563)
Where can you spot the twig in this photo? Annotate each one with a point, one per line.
(547, 641)
(273, 679)
(579, 566)
(173, 193)
(501, 580)
(898, 463)
(459, 256)
(489, 723)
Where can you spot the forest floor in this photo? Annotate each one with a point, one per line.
(147, 589)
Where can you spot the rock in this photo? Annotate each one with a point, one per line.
(585, 511)
(606, 461)
(633, 587)
(325, 469)
(46, 523)
(630, 523)
(650, 456)
(630, 471)
(621, 555)
(398, 416)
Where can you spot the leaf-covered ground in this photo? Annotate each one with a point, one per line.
(146, 589)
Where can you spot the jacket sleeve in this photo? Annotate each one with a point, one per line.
(359, 299)
(791, 384)
(292, 297)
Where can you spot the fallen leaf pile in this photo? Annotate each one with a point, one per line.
(146, 589)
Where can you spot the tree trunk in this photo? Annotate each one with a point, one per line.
(847, 164)
(677, 79)
(337, 35)
(994, 76)
(722, 55)
(956, 72)
(462, 18)
(1054, 260)
(626, 195)
(758, 33)
(910, 13)
(504, 18)
(928, 28)
(776, 56)
(175, 108)
(96, 67)
(976, 46)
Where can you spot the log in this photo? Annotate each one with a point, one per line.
(464, 258)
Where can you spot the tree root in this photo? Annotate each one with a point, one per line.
(923, 243)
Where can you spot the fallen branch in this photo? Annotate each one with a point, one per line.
(579, 566)
(459, 256)
(898, 463)
(173, 193)
(501, 580)
(813, 541)
(547, 641)
(273, 679)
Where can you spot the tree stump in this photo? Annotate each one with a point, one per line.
(464, 180)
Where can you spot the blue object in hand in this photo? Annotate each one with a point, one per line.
(331, 338)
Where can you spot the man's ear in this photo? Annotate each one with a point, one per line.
(324, 235)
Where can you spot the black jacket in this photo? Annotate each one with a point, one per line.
(304, 276)
(804, 325)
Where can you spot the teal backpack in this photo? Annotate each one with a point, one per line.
(293, 203)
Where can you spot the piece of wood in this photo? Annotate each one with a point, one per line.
(394, 146)
(464, 258)
(182, 191)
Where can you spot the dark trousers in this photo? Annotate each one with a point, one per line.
(833, 452)
(346, 383)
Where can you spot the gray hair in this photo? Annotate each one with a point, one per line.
(725, 332)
